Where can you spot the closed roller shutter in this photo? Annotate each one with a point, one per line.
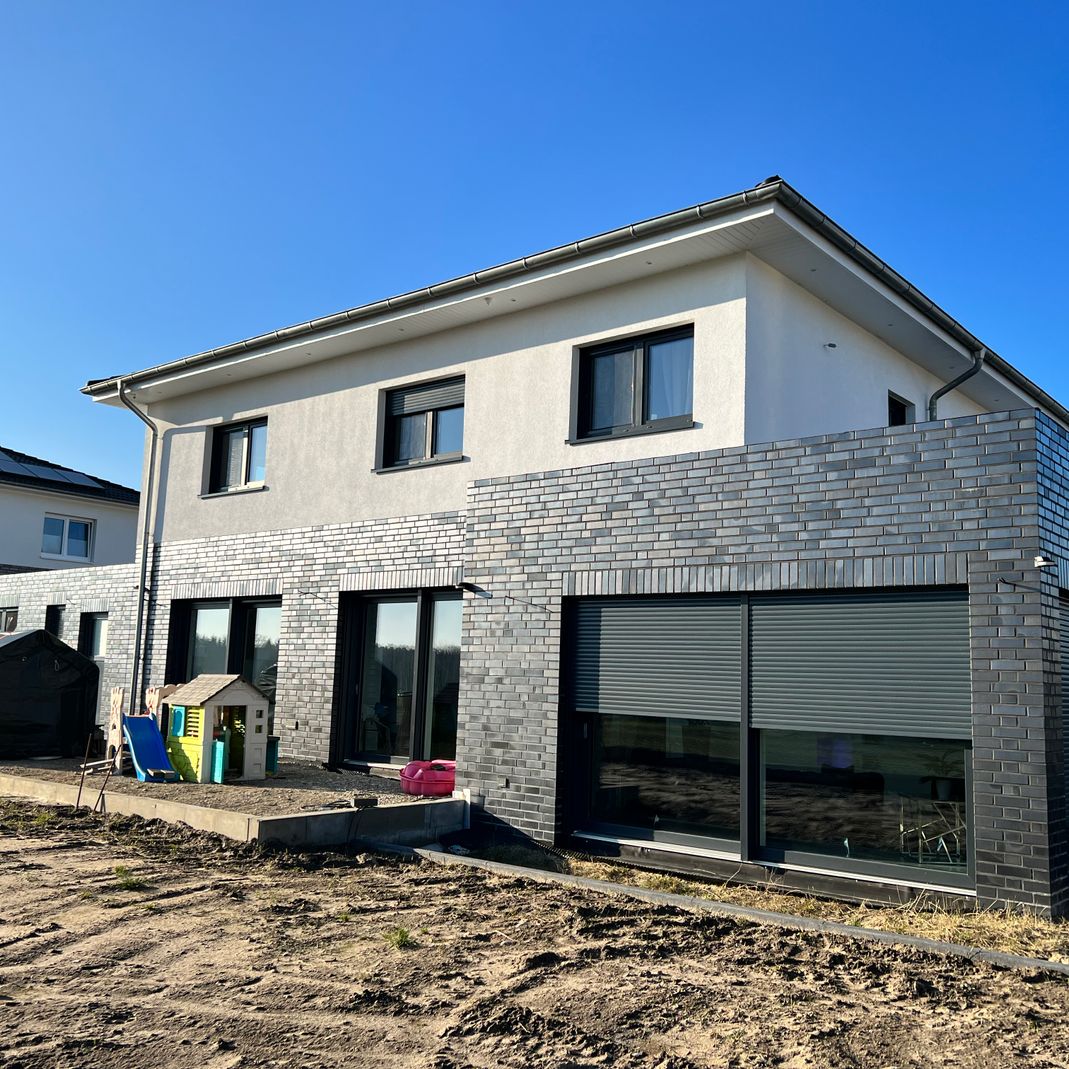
(876, 664)
(446, 394)
(678, 657)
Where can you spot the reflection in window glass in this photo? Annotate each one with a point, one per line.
(52, 540)
(209, 629)
(611, 390)
(263, 628)
(443, 678)
(879, 798)
(77, 538)
(257, 453)
(667, 774)
(669, 378)
(389, 664)
(448, 430)
(98, 635)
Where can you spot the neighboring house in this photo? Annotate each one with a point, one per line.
(56, 517)
(654, 531)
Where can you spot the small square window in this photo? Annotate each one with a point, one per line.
(900, 412)
(422, 423)
(239, 456)
(640, 384)
(9, 620)
(67, 537)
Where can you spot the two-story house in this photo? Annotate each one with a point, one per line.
(709, 541)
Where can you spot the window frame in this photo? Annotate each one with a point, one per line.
(387, 422)
(909, 407)
(65, 538)
(213, 483)
(583, 357)
(9, 619)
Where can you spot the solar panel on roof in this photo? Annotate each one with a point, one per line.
(13, 467)
(47, 473)
(80, 479)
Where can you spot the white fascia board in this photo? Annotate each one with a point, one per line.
(184, 377)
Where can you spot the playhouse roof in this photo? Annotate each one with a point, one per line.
(204, 688)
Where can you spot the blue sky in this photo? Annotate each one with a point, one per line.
(178, 176)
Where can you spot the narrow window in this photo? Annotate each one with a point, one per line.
(640, 384)
(900, 412)
(239, 456)
(423, 423)
(66, 537)
(9, 620)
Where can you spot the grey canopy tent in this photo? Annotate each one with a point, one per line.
(48, 696)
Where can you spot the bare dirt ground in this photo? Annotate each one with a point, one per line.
(296, 787)
(200, 953)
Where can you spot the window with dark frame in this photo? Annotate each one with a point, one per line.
(9, 620)
(239, 456)
(423, 423)
(635, 385)
(900, 412)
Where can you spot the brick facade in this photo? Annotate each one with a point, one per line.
(968, 501)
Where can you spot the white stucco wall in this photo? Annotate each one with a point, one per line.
(795, 387)
(518, 369)
(22, 517)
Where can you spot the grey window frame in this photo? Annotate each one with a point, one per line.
(215, 454)
(9, 619)
(582, 363)
(909, 406)
(384, 461)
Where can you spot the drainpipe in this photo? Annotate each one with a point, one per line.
(933, 402)
(142, 586)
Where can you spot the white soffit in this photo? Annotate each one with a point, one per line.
(816, 265)
(707, 240)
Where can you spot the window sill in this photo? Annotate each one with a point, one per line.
(431, 462)
(63, 556)
(236, 490)
(662, 427)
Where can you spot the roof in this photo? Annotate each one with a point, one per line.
(21, 469)
(204, 688)
(772, 190)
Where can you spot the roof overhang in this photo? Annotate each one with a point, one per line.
(771, 221)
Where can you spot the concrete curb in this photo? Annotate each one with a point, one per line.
(414, 823)
(757, 916)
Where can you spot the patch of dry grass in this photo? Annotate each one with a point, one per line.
(988, 928)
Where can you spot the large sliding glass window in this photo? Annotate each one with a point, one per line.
(209, 632)
(655, 696)
(866, 797)
(387, 679)
(401, 678)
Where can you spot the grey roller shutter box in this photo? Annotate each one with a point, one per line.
(448, 393)
(877, 664)
(678, 657)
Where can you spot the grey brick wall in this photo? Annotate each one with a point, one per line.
(308, 568)
(111, 589)
(939, 503)
(966, 501)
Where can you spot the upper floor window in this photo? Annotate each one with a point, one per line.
(639, 384)
(239, 456)
(422, 423)
(900, 412)
(67, 538)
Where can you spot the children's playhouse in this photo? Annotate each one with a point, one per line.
(216, 728)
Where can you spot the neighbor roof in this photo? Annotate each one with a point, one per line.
(771, 190)
(21, 469)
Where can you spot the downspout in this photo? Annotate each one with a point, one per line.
(933, 402)
(142, 586)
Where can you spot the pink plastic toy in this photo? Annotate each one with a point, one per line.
(429, 777)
